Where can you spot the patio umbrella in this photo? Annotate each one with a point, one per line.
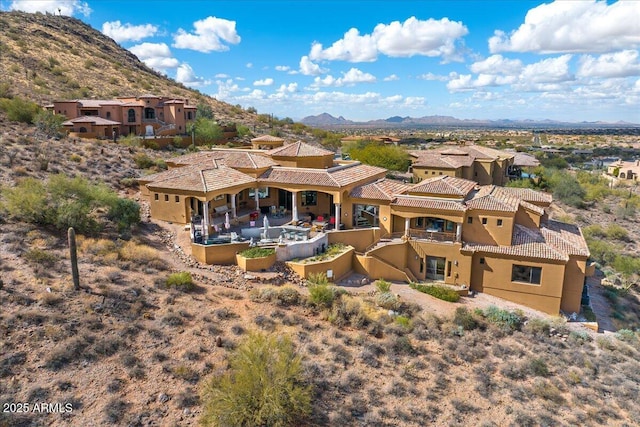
(227, 222)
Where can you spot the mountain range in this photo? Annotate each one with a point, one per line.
(326, 120)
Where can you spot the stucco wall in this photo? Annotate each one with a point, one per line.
(573, 283)
(360, 239)
(218, 254)
(339, 266)
(169, 210)
(489, 233)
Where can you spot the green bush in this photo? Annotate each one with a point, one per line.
(322, 295)
(182, 281)
(440, 292)
(19, 110)
(257, 252)
(387, 300)
(125, 213)
(264, 386)
(464, 318)
(383, 286)
(143, 161)
(40, 257)
(509, 320)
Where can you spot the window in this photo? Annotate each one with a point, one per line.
(448, 268)
(166, 197)
(309, 198)
(484, 221)
(439, 173)
(177, 199)
(263, 193)
(499, 223)
(157, 196)
(131, 115)
(433, 172)
(189, 115)
(108, 114)
(481, 260)
(526, 274)
(419, 222)
(470, 220)
(83, 130)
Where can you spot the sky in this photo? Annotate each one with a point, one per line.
(569, 60)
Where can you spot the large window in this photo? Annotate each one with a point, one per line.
(526, 274)
(309, 198)
(263, 193)
(131, 115)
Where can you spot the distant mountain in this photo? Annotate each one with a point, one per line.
(326, 120)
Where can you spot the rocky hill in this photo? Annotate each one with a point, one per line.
(51, 57)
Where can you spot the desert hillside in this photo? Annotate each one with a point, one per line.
(127, 349)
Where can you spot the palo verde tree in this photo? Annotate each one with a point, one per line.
(263, 386)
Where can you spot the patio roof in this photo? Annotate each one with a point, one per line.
(428, 203)
(98, 121)
(299, 149)
(336, 177)
(202, 178)
(384, 189)
(238, 159)
(445, 185)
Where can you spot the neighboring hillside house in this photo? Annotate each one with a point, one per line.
(147, 115)
(476, 163)
(443, 229)
(625, 170)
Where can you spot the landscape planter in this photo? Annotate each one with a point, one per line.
(256, 264)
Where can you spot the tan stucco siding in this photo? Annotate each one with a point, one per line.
(573, 284)
(421, 173)
(490, 233)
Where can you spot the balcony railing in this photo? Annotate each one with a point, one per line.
(435, 236)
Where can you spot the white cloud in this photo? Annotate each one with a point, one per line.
(128, 32)
(436, 77)
(573, 26)
(414, 100)
(210, 35)
(433, 38)
(186, 76)
(282, 68)
(309, 68)
(350, 78)
(222, 76)
(391, 78)
(56, 7)
(619, 64)
(156, 55)
(263, 82)
(496, 64)
(290, 88)
(551, 70)
(249, 65)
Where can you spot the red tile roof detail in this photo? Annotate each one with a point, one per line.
(526, 194)
(384, 189)
(299, 149)
(445, 185)
(91, 119)
(267, 138)
(201, 178)
(337, 177)
(239, 159)
(488, 199)
(428, 203)
(435, 160)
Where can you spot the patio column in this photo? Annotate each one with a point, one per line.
(407, 223)
(256, 197)
(205, 219)
(338, 216)
(294, 206)
(458, 232)
(233, 206)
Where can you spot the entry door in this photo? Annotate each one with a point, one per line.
(435, 268)
(284, 199)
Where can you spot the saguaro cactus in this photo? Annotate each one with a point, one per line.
(73, 255)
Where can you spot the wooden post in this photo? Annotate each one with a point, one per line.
(73, 255)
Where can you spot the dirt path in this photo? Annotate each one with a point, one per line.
(600, 305)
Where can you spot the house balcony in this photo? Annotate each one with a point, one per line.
(433, 235)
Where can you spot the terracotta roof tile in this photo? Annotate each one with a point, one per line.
(200, 178)
(267, 138)
(384, 189)
(525, 194)
(428, 203)
(436, 160)
(300, 149)
(490, 199)
(445, 185)
(238, 159)
(565, 237)
(91, 119)
(339, 176)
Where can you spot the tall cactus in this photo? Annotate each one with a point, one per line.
(73, 255)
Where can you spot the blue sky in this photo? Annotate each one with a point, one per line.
(568, 60)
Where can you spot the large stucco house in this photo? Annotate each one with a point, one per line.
(147, 115)
(444, 228)
(629, 171)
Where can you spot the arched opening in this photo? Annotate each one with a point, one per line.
(131, 115)
(83, 129)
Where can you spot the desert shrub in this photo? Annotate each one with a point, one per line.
(507, 320)
(264, 386)
(257, 252)
(125, 213)
(322, 295)
(181, 280)
(19, 110)
(537, 327)
(40, 257)
(383, 286)
(114, 410)
(137, 253)
(387, 300)
(538, 367)
(440, 292)
(464, 318)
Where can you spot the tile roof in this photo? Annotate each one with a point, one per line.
(336, 177)
(445, 185)
(200, 178)
(437, 160)
(384, 189)
(428, 203)
(525, 194)
(553, 241)
(99, 121)
(489, 198)
(525, 160)
(457, 156)
(238, 159)
(299, 149)
(95, 103)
